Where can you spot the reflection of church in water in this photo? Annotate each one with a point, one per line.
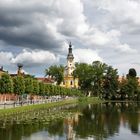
(69, 80)
(68, 126)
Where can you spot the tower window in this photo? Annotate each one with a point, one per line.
(71, 82)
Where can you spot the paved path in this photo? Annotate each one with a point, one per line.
(13, 104)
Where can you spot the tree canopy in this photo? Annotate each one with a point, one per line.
(57, 72)
(97, 78)
(6, 84)
(132, 72)
(19, 85)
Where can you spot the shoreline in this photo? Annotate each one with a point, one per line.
(33, 107)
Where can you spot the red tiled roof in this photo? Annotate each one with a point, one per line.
(13, 75)
(45, 80)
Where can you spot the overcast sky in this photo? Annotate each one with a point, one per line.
(36, 33)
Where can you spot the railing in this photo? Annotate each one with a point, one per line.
(13, 104)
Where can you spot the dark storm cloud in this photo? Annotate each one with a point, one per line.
(24, 26)
(30, 36)
(11, 21)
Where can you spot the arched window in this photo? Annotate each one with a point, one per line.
(71, 83)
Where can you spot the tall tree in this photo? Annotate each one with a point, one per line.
(100, 70)
(111, 83)
(132, 72)
(35, 86)
(85, 74)
(131, 87)
(28, 85)
(57, 72)
(98, 78)
(6, 84)
(41, 88)
(19, 85)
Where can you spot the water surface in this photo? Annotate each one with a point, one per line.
(107, 121)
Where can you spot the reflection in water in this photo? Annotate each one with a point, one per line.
(69, 123)
(102, 121)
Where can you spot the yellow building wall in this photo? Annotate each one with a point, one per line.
(1, 73)
(67, 82)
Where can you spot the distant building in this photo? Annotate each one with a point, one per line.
(20, 71)
(69, 80)
(123, 78)
(46, 80)
(2, 71)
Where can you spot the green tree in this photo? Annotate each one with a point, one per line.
(19, 85)
(6, 84)
(111, 83)
(85, 73)
(28, 85)
(41, 88)
(35, 86)
(132, 72)
(130, 88)
(48, 89)
(99, 79)
(100, 70)
(57, 72)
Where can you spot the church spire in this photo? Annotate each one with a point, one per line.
(70, 55)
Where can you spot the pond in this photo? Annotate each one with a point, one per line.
(106, 121)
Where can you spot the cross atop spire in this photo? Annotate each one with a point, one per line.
(70, 45)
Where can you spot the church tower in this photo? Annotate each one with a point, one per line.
(70, 62)
(69, 80)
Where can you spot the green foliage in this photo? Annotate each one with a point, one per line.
(23, 109)
(41, 88)
(82, 99)
(110, 83)
(132, 72)
(35, 87)
(19, 85)
(130, 89)
(48, 89)
(28, 85)
(84, 72)
(86, 99)
(57, 72)
(100, 72)
(96, 79)
(6, 84)
(99, 79)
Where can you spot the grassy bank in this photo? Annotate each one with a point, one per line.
(90, 100)
(23, 109)
(28, 108)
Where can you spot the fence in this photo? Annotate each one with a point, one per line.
(24, 102)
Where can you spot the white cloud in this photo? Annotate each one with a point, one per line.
(36, 57)
(5, 58)
(97, 37)
(125, 48)
(121, 9)
(49, 24)
(28, 58)
(86, 55)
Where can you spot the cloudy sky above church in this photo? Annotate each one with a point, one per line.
(36, 33)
